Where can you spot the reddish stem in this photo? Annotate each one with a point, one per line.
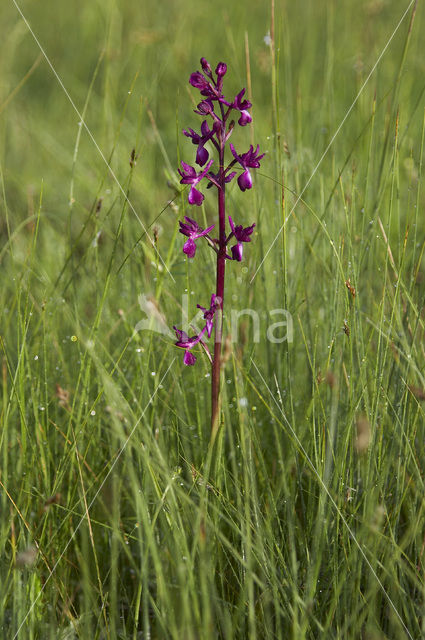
(221, 267)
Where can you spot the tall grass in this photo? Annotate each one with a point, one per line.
(305, 518)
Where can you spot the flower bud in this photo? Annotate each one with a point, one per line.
(198, 81)
(205, 65)
(221, 69)
(204, 107)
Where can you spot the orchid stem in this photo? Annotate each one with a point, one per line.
(221, 267)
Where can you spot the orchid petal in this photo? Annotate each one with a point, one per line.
(195, 197)
(237, 251)
(205, 231)
(245, 180)
(230, 177)
(245, 118)
(201, 155)
(189, 248)
(189, 359)
(181, 335)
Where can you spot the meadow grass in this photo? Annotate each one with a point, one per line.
(119, 518)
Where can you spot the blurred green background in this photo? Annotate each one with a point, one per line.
(259, 547)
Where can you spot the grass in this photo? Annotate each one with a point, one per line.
(305, 518)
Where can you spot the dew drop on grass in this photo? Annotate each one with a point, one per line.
(93, 413)
(35, 357)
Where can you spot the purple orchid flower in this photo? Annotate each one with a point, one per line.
(189, 176)
(187, 343)
(220, 72)
(209, 314)
(206, 134)
(205, 108)
(242, 235)
(199, 81)
(192, 230)
(247, 160)
(242, 106)
(207, 89)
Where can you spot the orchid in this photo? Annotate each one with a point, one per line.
(242, 106)
(200, 140)
(205, 107)
(187, 343)
(247, 160)
(209, 314)
(192, 230)
(214, 105)
(242, 235)
(207, 89)
(189, 176)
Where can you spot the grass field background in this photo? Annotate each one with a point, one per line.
(305, 518)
